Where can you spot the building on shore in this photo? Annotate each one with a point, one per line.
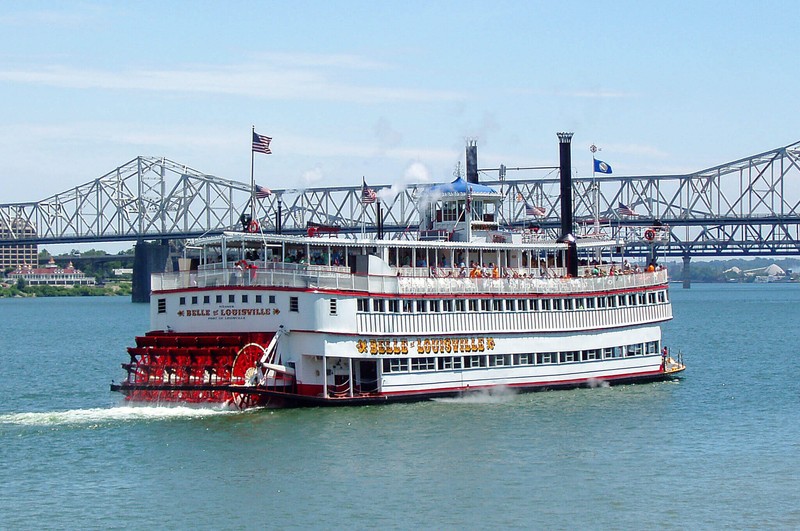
(17, 255)
(51, 275)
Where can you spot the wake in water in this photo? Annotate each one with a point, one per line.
(78, 417)
(495, 395)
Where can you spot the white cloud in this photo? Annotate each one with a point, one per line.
(251, 80)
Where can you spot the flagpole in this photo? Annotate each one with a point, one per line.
(594, 149)
(252, 177)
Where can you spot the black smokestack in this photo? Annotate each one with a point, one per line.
(565, 158)
(472, 161)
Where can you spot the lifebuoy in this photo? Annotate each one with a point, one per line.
(253, 227)
(649, 235)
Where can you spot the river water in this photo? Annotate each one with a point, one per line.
(718, 448)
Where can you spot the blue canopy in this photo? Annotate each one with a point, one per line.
(459, 186)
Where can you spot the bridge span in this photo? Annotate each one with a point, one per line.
(747, 207)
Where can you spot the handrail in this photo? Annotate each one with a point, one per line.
(321, 277)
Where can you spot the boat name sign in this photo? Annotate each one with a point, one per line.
(437, 345)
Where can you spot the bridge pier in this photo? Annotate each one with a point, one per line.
(149, 257)
(687, 277)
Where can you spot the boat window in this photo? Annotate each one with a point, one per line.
(568, 357)
(378, 305)
(623, 300)
(568, 304)
(408, 306)
(206, 299)
(511, 305)
(557, 304)
(608, 353)
(447, 305)
(497, 305)
(435, 306)
(162, 305)
(471, 362)
(182, 301)
(272, 299)
(395, 365)
(194, 300)
(473, 305)
(363, 305)
(612, 301)
(652, 347)
(545, 305)
(588, 355)
(231, 298)
(394, 306)
(534, 305)
(422, 306)
(580, 303)
(218, 299)
(485, 305)
(461, 305)
(333, 307)
(294, 304)
(258, 299)
(651, 298)
(499, 360)
(590, 303)
(545, 357)
(450, 362)
(524, 359)
(522, 305)
(423, 364)
(662, 297)
(245, 298)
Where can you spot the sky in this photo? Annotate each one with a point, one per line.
(388, 91)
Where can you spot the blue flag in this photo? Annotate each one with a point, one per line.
(601, 167)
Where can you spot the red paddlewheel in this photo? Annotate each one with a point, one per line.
(244, 372)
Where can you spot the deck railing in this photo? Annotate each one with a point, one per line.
(332, 277)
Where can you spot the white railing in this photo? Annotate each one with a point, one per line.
(529, 285)
(338, 278)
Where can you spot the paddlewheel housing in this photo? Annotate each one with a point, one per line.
(202, 368)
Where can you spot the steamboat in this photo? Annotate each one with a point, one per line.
(466, 305)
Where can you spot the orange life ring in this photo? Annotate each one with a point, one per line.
(649, 235)
(253, 227)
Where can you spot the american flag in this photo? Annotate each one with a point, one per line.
(262, 193)
(368, 195)
(533, 210)
(625, 210)
(261, 143)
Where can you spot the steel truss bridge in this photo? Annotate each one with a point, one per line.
(748, 207)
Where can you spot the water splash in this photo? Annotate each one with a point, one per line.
(495, 395)
(98, 416)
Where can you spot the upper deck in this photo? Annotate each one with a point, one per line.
(403, 280)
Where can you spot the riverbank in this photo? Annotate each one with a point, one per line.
(109, 289)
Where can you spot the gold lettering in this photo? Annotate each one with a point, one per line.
(404, 347)
(373, 347)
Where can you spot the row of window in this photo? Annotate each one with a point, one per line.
(509, 305)
(294, 304)
(445, 363)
